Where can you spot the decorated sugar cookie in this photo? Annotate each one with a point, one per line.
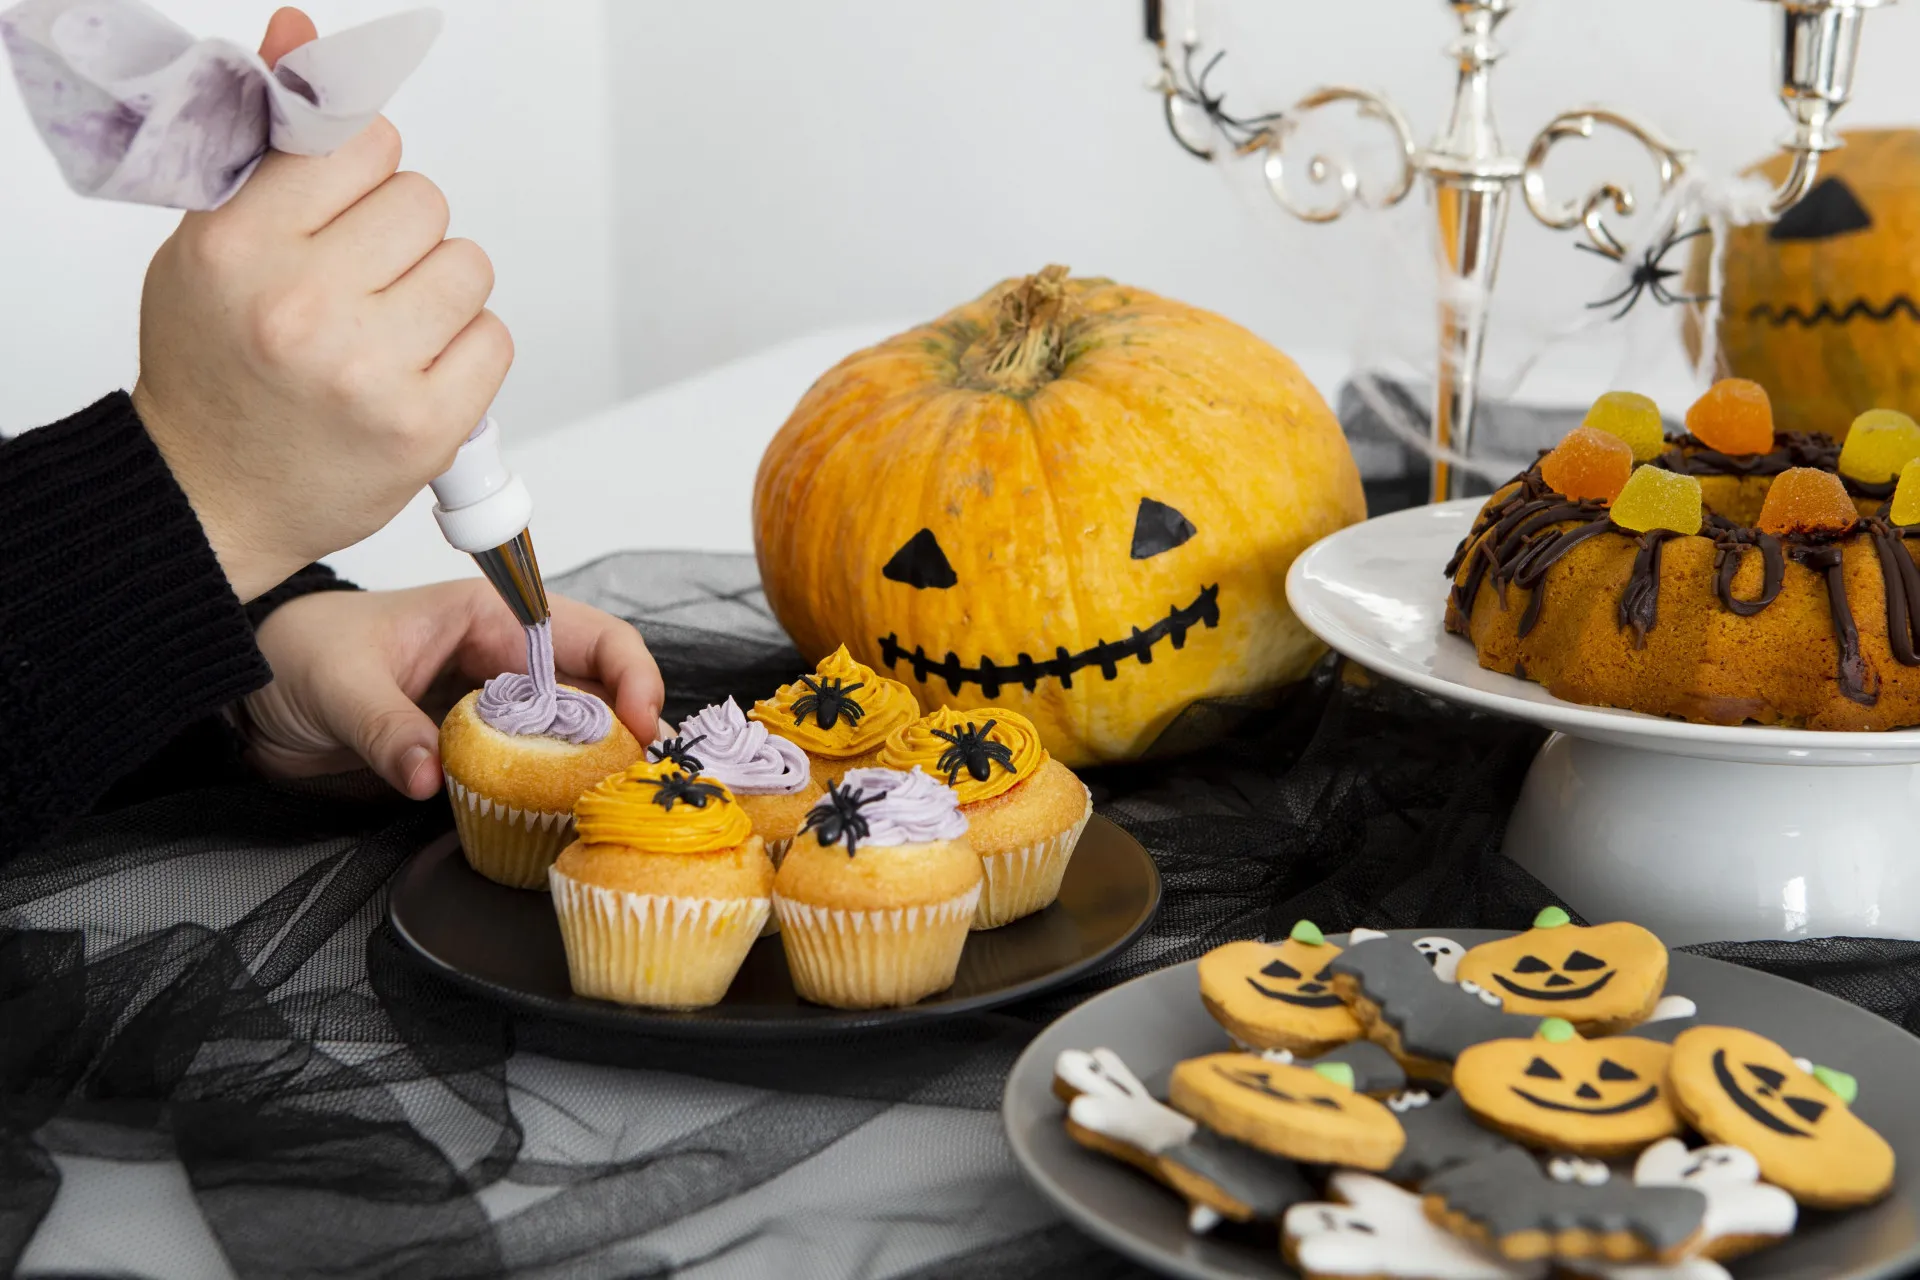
(1310, 1114)
(1602, 978)
(1376, 1072)
(1509, 1203)
(1743, 1213)
(1672, 1015)
(1602, 1098)
(1278, 995)
(1378, 1231)
(1134, 1126)
(1744, 1090)
(1443, 954)
(1424, 1023)
(1441, 1133)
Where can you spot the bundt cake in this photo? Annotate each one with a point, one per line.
(1757, 606)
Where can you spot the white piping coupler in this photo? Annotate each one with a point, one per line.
(484, 509)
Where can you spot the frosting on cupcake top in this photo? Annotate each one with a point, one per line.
(843, 709)
(886, 807)
(980, 753)
(658, 807)
(535, 705)
(720, 742)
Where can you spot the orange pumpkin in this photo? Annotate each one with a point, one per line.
(1822, 307)
(1067, 497)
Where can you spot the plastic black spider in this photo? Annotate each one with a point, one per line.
(680, 751)
(1648, 277)
(973, 751)
(680, 786)
(1183, 86)
(829, 701)
(837, 816)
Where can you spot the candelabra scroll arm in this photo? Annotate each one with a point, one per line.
(1591, 211)
(1323, 170)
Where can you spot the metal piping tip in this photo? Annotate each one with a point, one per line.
(514, 571)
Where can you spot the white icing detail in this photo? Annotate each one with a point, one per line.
(1382, 1230)
(1442, 953)
(1576, 1169)
(1358, 936)
(1409, 1100)
(1671, 1007)
(1201, 1219)
(1805, 1064)
(485, 806)
(1486, 997)
(1738, 1203)
(1100, 1073)
(1282, 1056)
(1144, 1123)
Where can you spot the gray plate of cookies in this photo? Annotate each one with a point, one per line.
(1477, 1105)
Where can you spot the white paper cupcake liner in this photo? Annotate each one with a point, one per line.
(873, 959)
(665, 952)
(1025, 880)
(511, 846)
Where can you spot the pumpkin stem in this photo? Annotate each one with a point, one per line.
(1023, 353)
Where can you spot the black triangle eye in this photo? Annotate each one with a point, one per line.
(1580, 960)
(1541, 1069)
(1279, 969)
(1531, 964)
(1830, 209)
(1767, 1075)
(1806, 1108)
(920, 563)
(1611, 1070)
(1158, 527)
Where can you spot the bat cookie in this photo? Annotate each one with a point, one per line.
(1573, 1211)
(1375, 1230)
(1423, 1022)
(1302, 1113)
(1602, 1098)
(1603, 979)
(1743, 1213)
(1277, 995)
(1441, 1133)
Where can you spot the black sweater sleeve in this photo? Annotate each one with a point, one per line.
(118, 630)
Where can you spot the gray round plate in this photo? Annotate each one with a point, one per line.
(505, 944)
(1156, 1021)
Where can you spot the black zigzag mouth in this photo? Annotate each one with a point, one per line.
(1858, 309)
(1028, 672)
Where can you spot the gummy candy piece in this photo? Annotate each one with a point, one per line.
(1804, 500)
(1906, 495)
(1341, 1073)
(1633, 418)
(1734, 417)
(1308, 932)
(1658, 499)
(1552, 918)
(1555, 1030)
(1880, 442)
(1588, 464)
(1842, 1085)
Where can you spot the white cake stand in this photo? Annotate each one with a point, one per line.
(1697, 831)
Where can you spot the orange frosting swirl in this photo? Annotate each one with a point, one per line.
(958, 764)
(656, 807)
(796, 710)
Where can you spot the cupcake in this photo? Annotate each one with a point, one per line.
(875, 907)
(516, 754)
(1024, 809)
(770, 778)
(664, 892)
(839, 715)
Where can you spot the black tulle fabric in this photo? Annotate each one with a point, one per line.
(205, 978)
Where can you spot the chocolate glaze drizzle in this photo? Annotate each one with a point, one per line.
(1516, 541)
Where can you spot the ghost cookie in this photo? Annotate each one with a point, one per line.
(1377, 1231)
(1508, 1203)
(1743, 1213)
(1302, 1113)
(1441, 1133)
(1602, 1098)
(1276, 995)
(1423, 1022)
(1443, 954)
(1603, 979)
(1743, 1090)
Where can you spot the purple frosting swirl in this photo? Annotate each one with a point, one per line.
(912, 808)
(535, 704)
(741, 753)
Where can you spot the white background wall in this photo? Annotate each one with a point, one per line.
(664, 186)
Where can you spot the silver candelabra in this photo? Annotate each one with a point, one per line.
(1472, 175)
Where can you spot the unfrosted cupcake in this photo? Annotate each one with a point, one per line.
(839, 715)
(516, 754)
(1024, 809)
(769, 777)
(874, 908)
(664, 892)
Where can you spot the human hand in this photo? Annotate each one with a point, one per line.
(314, 351)
(351, 668)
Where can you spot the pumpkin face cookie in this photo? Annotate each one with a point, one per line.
(1422, 1021)
(1603, 979)
(1297, 1112)
(1591, 1097)
(1278, 996)
(1744, 1090)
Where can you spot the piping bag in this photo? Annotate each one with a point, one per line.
(136, 108)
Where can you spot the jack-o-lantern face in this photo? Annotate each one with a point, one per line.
(1292, 1111)
(1744, 1090)
(1277, 996)
(1602, 1097)
(1822, 307)
(1601, 978)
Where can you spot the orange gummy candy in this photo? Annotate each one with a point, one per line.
(1906, 496)
(1633, 418)
(1588, 464)
(1733, 417)
(1806, 500)
(1879, 443)
(1655, 498)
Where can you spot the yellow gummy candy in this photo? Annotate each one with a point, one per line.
(1879, 444)
(1632, 417)
(1658, 499)
(1906, 495)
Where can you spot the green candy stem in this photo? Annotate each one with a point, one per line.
(1341, 1073)
(1551, 918)
(1555, 1030)
(1308, 932)
(1842, 1085)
